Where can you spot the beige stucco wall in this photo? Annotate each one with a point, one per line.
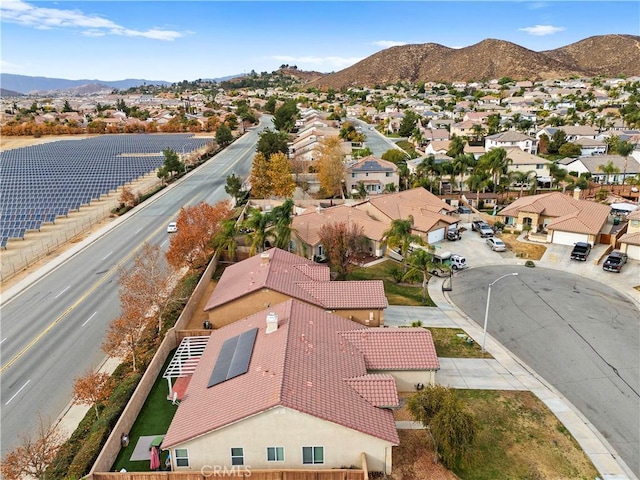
(406, 380)
(368, 317)
(288, 428)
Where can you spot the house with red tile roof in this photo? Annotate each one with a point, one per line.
(431, 215)
(306, 229)
(566, 220)
(293, 386)
(276, 276)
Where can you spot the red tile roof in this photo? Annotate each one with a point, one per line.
(414, 198)
(396, 348)
(304, 365)
(296, 277)
(378, 389)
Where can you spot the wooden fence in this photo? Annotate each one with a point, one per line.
(347, 474)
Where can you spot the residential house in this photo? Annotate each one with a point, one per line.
(572, 132)
(630, 241)
(596, 165)
(437, 147)
(589, 146)
(566, 220)
(276, 276)
(466, 128)
(522, 161)
(512, 138)
(432, 216)
(295, 387)
(376, 175)
(307, 226)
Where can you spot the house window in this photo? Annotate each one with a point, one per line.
(539, 166)
(312, 455)
(388, 174)
(237, 456)
(182, 457)
(366, 174)
(354, 175)
(275, 454)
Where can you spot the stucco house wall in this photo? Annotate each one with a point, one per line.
(406, 380)
(288, 428)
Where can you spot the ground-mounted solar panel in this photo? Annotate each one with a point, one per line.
(234, 357)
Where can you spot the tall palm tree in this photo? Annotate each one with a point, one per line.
(558, 174)
(496, 161)
(523, 178)
(624, 149)
(400, 235)
(456, 146)
(226, 238)
(608, 170)
(462, 163)
(420, 262)
(259, 222)
(282, 216)
(478, 181)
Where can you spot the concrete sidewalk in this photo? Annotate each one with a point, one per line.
(507, 372)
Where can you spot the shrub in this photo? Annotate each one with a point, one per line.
(529, 263)
(396, 274)
(416, 323)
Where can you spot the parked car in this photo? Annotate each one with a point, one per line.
(453, 234)
(496, 244)
(482, 227)
(464, 210)
(172, 227)
(445, 261)
(615, 261)
(581, 251)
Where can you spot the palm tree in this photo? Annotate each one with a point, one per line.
(282, 216)
(259, 223)
(461, 164)
(624, 148)
(522, 178)
(558, 174)
(456, 146)
(420, 262)
(399, 235)
(496, 161)
(608, 170)
(476, 182)
(225, 239)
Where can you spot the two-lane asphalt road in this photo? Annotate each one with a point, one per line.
(52, 331)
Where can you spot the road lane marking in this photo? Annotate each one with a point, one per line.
(1, 342)
(163, 243)
(16, 394)
(89, 319)
(108, 254)
(63, 291)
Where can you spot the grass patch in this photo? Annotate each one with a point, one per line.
(154, 419)
(449, 344)
(519, 437)
(397, 293)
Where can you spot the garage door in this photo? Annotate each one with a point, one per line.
(634, 252)
(568, 238)
(435, 236)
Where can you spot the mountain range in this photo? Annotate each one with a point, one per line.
(604, 55)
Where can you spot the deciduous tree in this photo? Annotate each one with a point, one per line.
(92, 388)
(280, 176)
(197, 225)
(259, 178)
(345, 245)
(125, 335)
(234, 188)
(330, 166)
(127, 197)
(34, 453)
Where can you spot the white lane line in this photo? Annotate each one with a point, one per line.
(63, 291)
(107, 255)
(138, 230)
(89, 319)
(1, 342)
(16, 394)
(163, 243)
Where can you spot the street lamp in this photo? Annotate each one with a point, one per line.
(486, 312)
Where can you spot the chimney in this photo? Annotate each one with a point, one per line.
(264, 258)
(576, 193)
(272, 322)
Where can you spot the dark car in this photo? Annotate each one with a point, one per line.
(615, 261)
(464, 210)
(580, 251)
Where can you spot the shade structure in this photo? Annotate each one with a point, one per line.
(154, 463)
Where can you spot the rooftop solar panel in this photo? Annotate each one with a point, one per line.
(234, 357)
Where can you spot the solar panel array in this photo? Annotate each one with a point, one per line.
(42, 182)
(234, 357)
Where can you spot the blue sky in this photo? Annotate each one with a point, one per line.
(183, 40)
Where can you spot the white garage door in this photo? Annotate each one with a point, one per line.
(568, 238)
(634, 252)
(435, 236)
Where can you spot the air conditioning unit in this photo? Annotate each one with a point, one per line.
(419, 386)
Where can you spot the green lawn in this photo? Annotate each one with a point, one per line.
(154, 419)
(397, 293)
(454, 343)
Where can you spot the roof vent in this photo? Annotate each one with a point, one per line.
(272, 322)
(264, 258)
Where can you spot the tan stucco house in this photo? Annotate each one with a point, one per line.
(566, 220)
(295, 387)
(276, 276)
(630, 241)
(376, 174)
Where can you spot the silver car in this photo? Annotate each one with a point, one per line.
(496, 244)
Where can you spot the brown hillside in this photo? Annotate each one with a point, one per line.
(606, 55)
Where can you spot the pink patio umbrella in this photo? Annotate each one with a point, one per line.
(154, 463)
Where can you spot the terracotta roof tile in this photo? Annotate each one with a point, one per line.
(631, 238)
(378, 389)
(414, 198)
(395, 349)
(359, 294)
(302, 365)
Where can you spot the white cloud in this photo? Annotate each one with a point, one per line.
(541, 30)
(22, 13)
(311, 62)
(537, 5)
(388, 43)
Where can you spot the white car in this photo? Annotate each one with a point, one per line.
(172, 227)
(496, 244)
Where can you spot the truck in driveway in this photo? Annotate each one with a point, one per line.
(482, 227)
(580, 251)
